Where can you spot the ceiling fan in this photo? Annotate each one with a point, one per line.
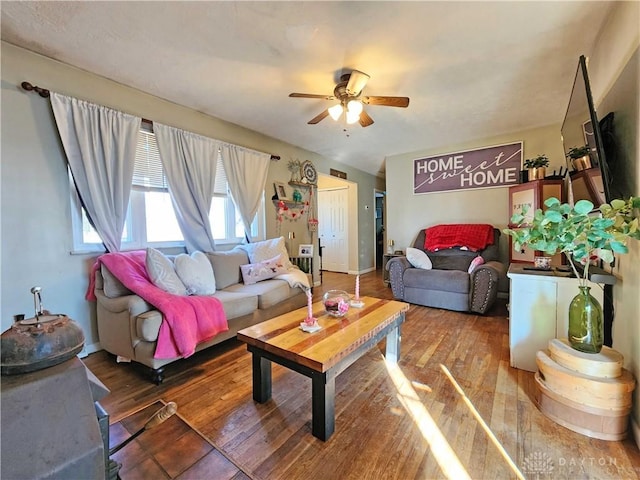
(348, 93)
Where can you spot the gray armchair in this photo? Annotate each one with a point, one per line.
(448, 284)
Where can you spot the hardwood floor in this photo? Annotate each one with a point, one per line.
(391, 423)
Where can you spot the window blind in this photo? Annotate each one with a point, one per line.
(220, 185)
(148, 171)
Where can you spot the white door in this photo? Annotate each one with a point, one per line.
(333, 230)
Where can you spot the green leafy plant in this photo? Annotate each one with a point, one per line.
(537, 162)
(581, 233)
(578, 152)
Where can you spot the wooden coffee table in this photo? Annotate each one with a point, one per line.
(322, 355)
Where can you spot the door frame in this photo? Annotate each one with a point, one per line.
(329, 182)
(376, 193)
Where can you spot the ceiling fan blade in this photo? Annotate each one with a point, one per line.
(321, 116)
(365, 119)
(311, 95)
(357, 81)
(387, 101)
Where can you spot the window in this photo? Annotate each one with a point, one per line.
(151, 220)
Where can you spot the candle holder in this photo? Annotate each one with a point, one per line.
(310, 328)
(356, 303)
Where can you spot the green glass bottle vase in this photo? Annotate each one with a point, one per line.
(586, 326)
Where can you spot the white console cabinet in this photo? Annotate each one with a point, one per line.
(539, 310)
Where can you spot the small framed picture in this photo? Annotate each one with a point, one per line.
(305, 250)
(281, 191)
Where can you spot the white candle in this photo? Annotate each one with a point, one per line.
(309, 304)
(357, 287)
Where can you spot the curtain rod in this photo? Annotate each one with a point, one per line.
(44, 93)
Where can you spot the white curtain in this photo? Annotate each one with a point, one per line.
(100, 144)
(189, 162)
(246, 172)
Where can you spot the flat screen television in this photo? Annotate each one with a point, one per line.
(589, 177)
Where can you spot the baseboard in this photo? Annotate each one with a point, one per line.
(361, 272)
(89, 349)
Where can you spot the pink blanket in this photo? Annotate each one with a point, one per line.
(187, 320)
(474, 236)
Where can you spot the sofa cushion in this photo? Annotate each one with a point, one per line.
(226, 266)
(111, 286)
(418, 259)
(492, 252)
(452, 262)
(266, 249)
(256, 272)
(442, 280)
(163, 274)
(237, 304)
(269, 292)
(196, 273)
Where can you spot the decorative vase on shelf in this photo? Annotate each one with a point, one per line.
(537, 173)
(586, 327)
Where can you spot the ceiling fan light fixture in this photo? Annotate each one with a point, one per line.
(335, 111)
(347, 98)
(352, 117)
(357, 81)
(354, 107)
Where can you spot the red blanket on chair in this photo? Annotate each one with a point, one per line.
(474, 236)
(188, 320)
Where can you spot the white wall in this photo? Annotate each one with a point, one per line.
(414, 212)
(616, 50)
(36, 225)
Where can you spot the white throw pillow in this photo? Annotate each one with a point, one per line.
(267, 249)
(256, 272)
(163, 274)
(418, 258)
(196, 273)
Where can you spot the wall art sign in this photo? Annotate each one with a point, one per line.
(485, 167)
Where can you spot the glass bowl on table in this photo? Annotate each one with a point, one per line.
(336, 302)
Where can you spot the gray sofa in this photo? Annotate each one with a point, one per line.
(128, 326)
(448, 284)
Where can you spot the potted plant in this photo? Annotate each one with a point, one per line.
(536, 166)
(580, 158)
(583, 235)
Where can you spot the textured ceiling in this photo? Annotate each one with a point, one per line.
(471, 69)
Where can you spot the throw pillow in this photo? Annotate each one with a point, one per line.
(111, 286)
(418, 258)
(196, 273)
(475, 263)
(226, 266)
(163, 274)
(255, 272)
(266, 249)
